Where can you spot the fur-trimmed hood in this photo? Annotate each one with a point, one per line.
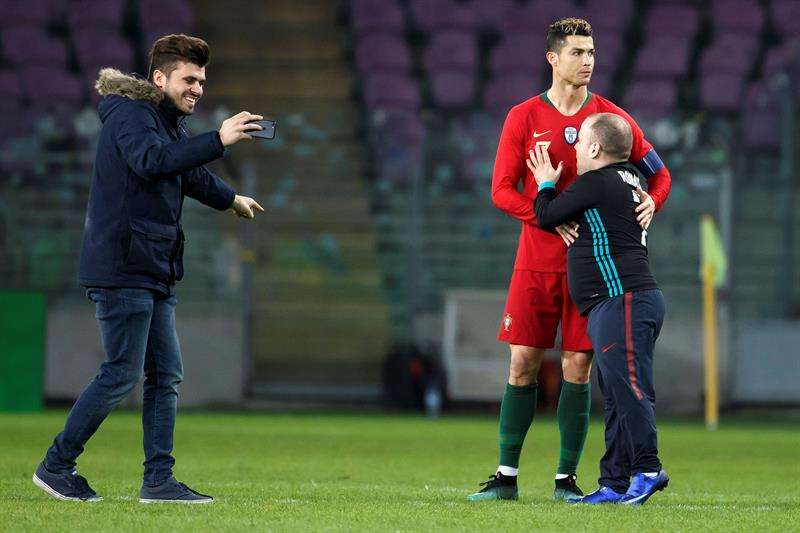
(113, 82)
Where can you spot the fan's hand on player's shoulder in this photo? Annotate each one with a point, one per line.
(568, 232)
(541, 167)
(646, 208)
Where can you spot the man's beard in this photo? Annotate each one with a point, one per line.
(176, 105)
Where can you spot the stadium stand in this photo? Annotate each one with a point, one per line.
(418, 112)
(693, 73)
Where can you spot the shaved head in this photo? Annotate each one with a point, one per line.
(612, 133)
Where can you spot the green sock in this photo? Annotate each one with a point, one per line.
(516, 415)
(573, 423)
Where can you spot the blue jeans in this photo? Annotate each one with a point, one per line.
(137, 327)
(624, 330)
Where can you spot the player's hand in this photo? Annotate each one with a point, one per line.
(540, 166)
(245, 206)
(568, 232)
(235, 128)
(646, 208)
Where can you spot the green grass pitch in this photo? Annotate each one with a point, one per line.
(290, 472)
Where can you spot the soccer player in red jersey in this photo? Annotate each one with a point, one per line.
(538, 297)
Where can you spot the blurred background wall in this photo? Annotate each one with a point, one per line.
(377, 186)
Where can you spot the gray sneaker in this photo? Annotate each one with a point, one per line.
(172, 491)
(68, 487)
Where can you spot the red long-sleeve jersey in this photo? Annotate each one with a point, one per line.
(538, 121)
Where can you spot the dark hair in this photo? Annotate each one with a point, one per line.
(168, 50)
(560, 29)
(614, 135)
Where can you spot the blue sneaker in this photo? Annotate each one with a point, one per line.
(172, 491)
(642, 487)
(601, 496)
(68, 487)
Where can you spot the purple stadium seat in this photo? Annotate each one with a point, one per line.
(518, 53)
(48, 87)
(775, 60)
(782, 58)
(452, 89)
(434, 15)
(451, 49)
(95, 50)
(15, 123)
(721, 92)
(105, 14)
(651, 98)
(663, 57)
(784, 15)
(37, 13)
(507, 91)
(601, 84)
(381, 51)
(526, 50)
(608, 51)
(675, 20)
(167, 15)
(537, 16)
(733, 53)
(10, 106)
(88, 88)
(607, 16)
(761, 119)
(492, 13)
(377, 15)
(32, 46)
(392, 91)
(741, 15)
(10, 88)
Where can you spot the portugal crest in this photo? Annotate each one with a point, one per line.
(570, 134)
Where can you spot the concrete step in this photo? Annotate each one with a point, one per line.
(320, 306)
(280, 46)
(290, 291)
(331, 83)
(277, 12)
(302, 254)
(316, 226)
(269, 276)
(321, 310)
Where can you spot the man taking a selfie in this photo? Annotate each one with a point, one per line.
(132, 256)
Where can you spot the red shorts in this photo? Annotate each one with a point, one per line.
(537, 302)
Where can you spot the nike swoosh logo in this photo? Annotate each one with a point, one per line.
(537, 135)
(604, 349)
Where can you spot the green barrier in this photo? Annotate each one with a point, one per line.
(22, 342)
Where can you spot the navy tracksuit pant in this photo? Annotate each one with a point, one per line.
(624, 330)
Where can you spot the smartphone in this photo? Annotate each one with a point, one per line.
(268, 131)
